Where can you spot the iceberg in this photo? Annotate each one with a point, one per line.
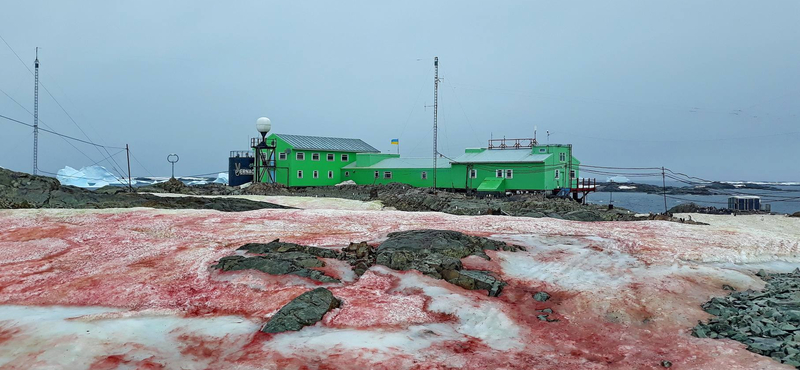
(222, 178)
(87, 177)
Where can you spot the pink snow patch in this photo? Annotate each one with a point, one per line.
(134, 288)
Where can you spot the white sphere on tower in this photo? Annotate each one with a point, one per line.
(263, 125)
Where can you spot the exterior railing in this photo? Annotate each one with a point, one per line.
(584, 184)
(511, 143)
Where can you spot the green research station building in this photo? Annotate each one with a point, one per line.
(504, 165)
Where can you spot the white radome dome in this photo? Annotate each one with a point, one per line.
(263, 125)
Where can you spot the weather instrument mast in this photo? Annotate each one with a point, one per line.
(435, 117)
(36, 114)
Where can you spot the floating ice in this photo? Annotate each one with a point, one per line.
(618, 179)
(87, 177)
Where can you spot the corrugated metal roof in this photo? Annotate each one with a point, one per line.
(502, 156)
(421, 163)
(333, 144)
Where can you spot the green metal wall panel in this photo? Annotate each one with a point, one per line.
(287, 169)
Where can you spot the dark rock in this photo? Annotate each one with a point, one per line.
(438, 253)
(277, 246)
(541, 296)
(20, 190)
(796, 214)
(360, 255)
(305, 310)
(666, 363)
(766, 321)
(287, 263)
(728, 287)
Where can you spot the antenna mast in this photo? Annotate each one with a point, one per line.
(435, 113)
(36, 114)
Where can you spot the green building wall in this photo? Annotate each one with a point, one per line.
(286, 169)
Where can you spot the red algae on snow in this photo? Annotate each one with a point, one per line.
(113, 289)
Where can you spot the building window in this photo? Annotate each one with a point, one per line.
(558, 174)
(346, 173)
(562, 157)
(330, 174)
(387, 175)
(377, 174)
(572, 174)
(315, 156)
(542, 150)
(299, 174)
(300, 156)
(315, 174)
(330, 157)
(424, 175)
(509, 174)
(473, 174)
(499, 173)
(282, 156)
(345, 157)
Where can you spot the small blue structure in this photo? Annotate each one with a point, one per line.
(744, 203)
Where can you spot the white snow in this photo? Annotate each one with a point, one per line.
(480, 319)
(72, 337)
(297, 202)
(87, 177)
(348, 182)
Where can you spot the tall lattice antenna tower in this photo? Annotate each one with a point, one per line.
(36, 114)
(435, 117)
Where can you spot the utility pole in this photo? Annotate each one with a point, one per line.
(128, 150)
(435, 113)
(36, 114)
(664, 184)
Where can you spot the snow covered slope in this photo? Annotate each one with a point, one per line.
(106, 289)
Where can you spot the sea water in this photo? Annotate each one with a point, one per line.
(654, 203)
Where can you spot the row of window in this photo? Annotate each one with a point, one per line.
(315, 174)
(300, 156)
(473, 174)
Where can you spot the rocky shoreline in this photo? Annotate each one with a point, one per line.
(767, 321)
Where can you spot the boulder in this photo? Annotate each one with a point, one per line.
(307, 309)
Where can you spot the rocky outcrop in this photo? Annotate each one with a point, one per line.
(438, 253)
(285, 263)
(277, 246)
(305, 310)
(360, 255)
(767, 321)
(796, 214)
(21, 190)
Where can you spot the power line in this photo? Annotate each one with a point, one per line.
(140, 164)
(60, 134)
(97, 147)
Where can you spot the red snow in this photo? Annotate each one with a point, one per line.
(159, 260)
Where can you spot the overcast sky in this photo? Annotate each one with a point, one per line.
(709, 88)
